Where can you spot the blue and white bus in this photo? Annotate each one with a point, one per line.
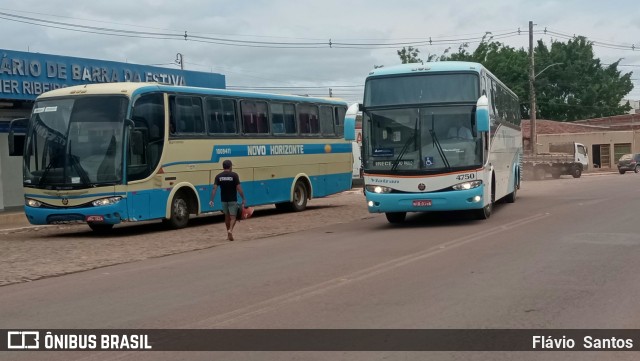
(439, 137)
(124, 152)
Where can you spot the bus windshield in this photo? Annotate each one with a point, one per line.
(75, 142)
(421, 89)
(430, 139)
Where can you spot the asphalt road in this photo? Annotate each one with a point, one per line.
(563, 256)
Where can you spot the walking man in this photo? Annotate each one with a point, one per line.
(229, 184)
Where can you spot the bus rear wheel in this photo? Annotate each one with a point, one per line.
(179, 212)
(396, 217)
(300, 196)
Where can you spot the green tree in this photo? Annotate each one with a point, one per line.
(409, 55)
(578, 86)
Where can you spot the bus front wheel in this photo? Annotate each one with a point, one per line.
(484, 212)
(396, 217)
(179, 212)
(100, 227)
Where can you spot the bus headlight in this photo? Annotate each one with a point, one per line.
(467, 185)
(378, 189)
(32, 203)
(106, 201)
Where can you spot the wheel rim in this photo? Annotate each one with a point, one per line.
(180, 210)
(298, 195)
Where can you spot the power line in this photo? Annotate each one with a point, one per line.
(297, 45)
(294, 87)
(610, 45)
(272, 44)
(226, 41)
(237, 35)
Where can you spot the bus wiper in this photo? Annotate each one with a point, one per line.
(406, 145)
(436, 143)
(46, 171)
(75, 163)
(402, 152)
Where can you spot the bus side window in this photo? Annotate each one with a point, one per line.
(229, 116)
(283, 118)
(148, 117)
(277, 118)
(340, 113)
(262, 117)
(290, 119)
(254, 117)
(187, 113)
(326, 120)
(308, 119)
(216, 123)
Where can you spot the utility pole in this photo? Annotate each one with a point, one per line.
(532, 94)
(180, 60)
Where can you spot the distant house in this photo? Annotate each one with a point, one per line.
(635, 105)
(606, 139)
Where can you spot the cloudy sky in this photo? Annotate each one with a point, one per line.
(259, 25)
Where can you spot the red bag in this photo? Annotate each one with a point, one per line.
(244, 213)
(247, 212)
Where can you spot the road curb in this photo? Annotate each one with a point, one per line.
(13, 217)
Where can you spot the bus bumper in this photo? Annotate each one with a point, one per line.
(440, 201)
(110, 214)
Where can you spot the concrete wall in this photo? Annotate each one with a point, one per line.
(11, 193)
(589, 139)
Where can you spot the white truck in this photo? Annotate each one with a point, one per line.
(562, 159)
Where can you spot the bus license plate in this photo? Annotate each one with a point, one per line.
(94, 219)
(422, 203)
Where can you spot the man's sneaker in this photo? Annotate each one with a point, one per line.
(230, 236)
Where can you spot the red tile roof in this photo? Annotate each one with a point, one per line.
(617, 122)
(552, 127)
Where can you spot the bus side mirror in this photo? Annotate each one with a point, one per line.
(482, 114)
(350, 122)
(16, 141)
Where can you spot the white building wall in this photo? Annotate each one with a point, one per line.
(610, 138)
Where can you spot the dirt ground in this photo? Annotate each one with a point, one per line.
(32, 253)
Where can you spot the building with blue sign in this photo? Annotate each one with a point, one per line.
(24, 76)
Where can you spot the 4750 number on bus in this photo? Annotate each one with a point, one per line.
(467, 176)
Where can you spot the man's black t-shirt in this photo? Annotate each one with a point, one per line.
(227, 181)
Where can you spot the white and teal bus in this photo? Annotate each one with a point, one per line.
(439, 137)
(110, 153)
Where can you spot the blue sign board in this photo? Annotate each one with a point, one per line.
(24, 76)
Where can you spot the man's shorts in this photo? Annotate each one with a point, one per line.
(230, 208)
